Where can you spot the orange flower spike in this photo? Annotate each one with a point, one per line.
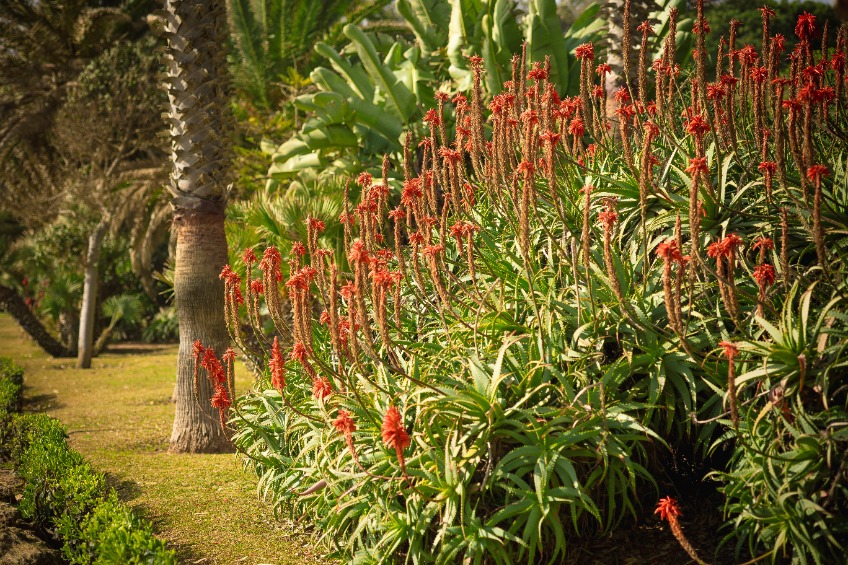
(277, 366)
(393, 432)
(344, 423)
(321, 388)
(669, 511)
(730, 349)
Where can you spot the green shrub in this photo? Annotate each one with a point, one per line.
(11, 371)
(60, 486)
(29, 429)
(64, 493)
(113, 535)
(11, 388)
(10, 397)
(163, 328)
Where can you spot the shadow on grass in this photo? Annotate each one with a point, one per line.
(135, 348)
(40, 402)
(185, 553)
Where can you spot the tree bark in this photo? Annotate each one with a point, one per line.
(201, 156)
(199, 299)
(615, 10)
(11, 302)
(88, 311)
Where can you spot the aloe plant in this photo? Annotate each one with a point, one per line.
(366, 99)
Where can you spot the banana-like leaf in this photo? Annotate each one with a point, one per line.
(399, 97)
(428, 20)
(294, 165)
(355, 77)
(333, 135)
(501, 39)
(328, 81)
(462, 39)
(545, 38)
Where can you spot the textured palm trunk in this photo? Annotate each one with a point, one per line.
(196, 63)
(88, 311)
(615, 10)
(11, 302)
(199, 299)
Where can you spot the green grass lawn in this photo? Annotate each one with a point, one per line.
(119, 415)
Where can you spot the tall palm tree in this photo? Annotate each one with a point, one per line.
(196, 80)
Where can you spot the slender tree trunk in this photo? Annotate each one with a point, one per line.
(89, 296)
(11, 302)
(196, 68)
(199, 299)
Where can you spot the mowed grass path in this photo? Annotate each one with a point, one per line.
(119, 416)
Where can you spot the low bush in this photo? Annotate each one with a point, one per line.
(11, 385)
(63, 493)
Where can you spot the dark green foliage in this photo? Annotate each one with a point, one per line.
(271, 37)
(63, 493)
(113, 535)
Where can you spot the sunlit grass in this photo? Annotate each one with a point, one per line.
(119, 416)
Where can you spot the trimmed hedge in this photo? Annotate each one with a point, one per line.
(63, 493)
(11, 384)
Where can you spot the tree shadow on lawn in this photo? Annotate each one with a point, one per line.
(128, 491)
(40, 402)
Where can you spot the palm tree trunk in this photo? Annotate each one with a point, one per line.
(11, 302)
(615, 10)
(89, 296)
(196, 64)
(199, 299)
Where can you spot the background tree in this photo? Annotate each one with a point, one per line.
(44, 47)
(107, 135)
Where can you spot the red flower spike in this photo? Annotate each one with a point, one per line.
(730, 349)
(698, 165)
(667, 508)
(393, 432)
(317, 225)
(608, 218)
(767, 167)
(764, 243)
(321, 388)
(585, 51)
(344, 423)
(298, 352)
(576, 127)
(816, 172)
(805, 27)
(764, 275)
(432, 117)
(248, 257)
(277, 366)
(221, 399)
(364, 180)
